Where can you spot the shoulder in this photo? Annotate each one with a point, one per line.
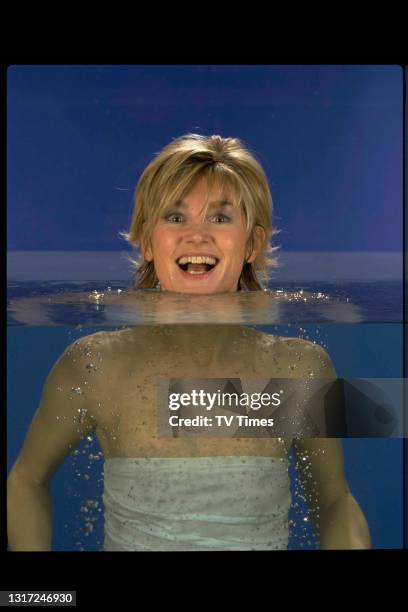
(101, 343)
(308, 347)
(86, 343)
(313, 354)
(288, 343)
(105, 355)
(305, 355)
(89, 368)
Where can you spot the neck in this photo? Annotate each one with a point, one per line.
(195, 339)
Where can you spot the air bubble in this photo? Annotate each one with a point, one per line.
(90, 503)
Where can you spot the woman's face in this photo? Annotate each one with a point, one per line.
(196, 254)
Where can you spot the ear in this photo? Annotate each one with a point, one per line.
(146, 249)
(258, 239)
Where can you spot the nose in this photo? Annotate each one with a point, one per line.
(197, 232)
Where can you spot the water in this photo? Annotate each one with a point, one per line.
(359, 324)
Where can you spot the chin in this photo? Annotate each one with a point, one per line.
(202, 290)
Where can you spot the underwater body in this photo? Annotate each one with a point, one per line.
(358, 323)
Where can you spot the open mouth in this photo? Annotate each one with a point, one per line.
(197, 264)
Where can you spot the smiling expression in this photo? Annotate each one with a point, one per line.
(197, 253)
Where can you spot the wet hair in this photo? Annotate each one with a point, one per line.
(226, 164)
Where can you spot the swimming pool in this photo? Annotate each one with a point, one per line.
(359, 324)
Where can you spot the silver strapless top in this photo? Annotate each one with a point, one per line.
(196, 503)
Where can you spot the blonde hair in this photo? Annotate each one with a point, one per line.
(225, 163)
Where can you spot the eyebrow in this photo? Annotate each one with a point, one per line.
(222, 203)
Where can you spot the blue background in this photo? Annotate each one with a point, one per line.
(328, 137)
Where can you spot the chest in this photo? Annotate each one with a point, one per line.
(128, 419)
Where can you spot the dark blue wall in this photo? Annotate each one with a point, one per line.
(329, 138)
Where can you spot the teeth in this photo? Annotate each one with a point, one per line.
(197, 259)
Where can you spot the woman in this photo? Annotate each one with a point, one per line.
(202, 219)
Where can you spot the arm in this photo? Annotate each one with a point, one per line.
(62, 419)
(338, 519)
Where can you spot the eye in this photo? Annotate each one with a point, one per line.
(174, 217)
(221, 218)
